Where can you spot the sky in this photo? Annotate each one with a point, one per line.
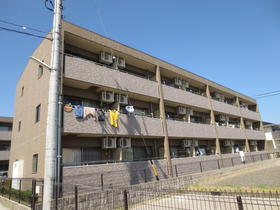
(235, 43)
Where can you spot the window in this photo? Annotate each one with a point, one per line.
(37, 114)
(22, 91)
(5, 128)
(40, 71)
(19, 125)
(35, 164)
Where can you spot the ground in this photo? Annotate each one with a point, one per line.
(262, 178)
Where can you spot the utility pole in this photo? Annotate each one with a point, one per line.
(52, 118)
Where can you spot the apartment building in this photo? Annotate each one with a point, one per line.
(272, 136)
(6, 124)
(152, 99)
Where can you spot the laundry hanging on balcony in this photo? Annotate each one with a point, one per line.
(79, 111)
(114, 117)
(68, 108)
(90, 112)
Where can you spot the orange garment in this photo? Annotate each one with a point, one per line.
(68, 108)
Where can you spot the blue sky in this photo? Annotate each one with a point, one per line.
(233, 42)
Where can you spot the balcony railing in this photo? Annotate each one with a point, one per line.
(230, 133)
(254, 134)
(246, 113)
(90, 72)
(5, 135)
(190, 130)
(185, 97)
(128, 125)
(4, 155)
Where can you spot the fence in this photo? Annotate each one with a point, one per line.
(200, 200)
(173, 195)
(26, 191)
(137, 196)
(117, 178)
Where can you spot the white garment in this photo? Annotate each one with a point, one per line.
(242, 155)
(129, 109)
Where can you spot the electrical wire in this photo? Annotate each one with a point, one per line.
(268, 93)
(22, 26)
(26, 33)
(265, 96)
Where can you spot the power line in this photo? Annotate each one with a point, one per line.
(276, 91)
(22, 26)
(265, 96)
(26, 33)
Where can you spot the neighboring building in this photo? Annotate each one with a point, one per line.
(197, 115)
(272, 136)
(6, 124)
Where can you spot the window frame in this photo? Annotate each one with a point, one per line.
(37, 113)
(35, 160)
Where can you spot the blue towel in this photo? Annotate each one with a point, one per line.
(79, 111)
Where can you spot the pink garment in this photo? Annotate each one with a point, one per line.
(89, 111)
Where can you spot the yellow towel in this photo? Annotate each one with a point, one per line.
(114, 117)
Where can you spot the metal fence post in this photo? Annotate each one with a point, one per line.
(200, 166)
(253, 159)
(19, 191)
(33, 200)
(102, 181)
(232, 164)
(239, 202)
(76, 197)
(176, 171)
(218, 163)
(125, 202)
(10, 189)
(145, 176)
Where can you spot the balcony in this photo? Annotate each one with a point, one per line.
(190, 130)
(184, 97)
(253, 134)
(128, 125)
(230, 133)
(276, 135)
(225, 108)
(4, 155)
(91, 72)
(5, 135)
(246, 113)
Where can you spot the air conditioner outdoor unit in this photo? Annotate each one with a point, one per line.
(219, 96)
(124, 142)
(181, 110)
(248, 123)
(227, 143)
(195, 143)
(106, 58)
(122, 99)
(253, 143)
(185, 84)
(222, 118)
(107, 96)
(243, 105)
(189, 111)
(177, 82)
(109, 143)
(121, 62)
(187, 143)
